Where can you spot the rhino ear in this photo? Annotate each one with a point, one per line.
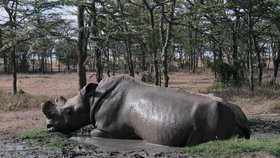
(89, 89)
(60, 101)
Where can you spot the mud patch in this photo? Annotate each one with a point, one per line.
(30, 148)
(264, 128)
(84, 146)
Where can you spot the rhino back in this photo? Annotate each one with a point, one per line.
(165, 116)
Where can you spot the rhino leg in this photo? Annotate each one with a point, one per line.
(98, 133)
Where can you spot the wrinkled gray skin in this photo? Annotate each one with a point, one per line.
(120, 107)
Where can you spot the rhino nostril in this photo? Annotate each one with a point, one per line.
(49, 125)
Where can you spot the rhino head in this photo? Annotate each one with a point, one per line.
(66, 116)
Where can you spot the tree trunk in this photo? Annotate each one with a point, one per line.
(51, 62)
(107, 53)
(153, 47)
(129, 57)
(259, 61)
(192, 53)
(42, 67)
(250, 52)
(81, 45)
(275, 60)
(127, 40)
(98, 64)
(59, 65)
(275, 71)
(143, 62)
(97, 51)
(14, 69)
(235, 58)
(114, 63)
(167, 43)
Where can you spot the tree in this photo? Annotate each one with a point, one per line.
(11, 8)
(66, 53)
(81, 46)
(166, 41)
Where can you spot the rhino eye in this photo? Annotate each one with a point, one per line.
(67, 112)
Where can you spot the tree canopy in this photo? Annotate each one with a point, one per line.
(237, 39)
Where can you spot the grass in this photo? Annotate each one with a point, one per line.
(32, 134)
(234, 146)
(43, 138)
(20, 101)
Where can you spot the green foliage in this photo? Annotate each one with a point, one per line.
(146, 76)
(58, 142)
(23, 65)
(31, 134)
(228, 74)
(66, 52)
(234, 146)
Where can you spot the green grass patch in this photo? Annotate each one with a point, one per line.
(234, 146)
(58, 142)
(32, 134)
(43, 138)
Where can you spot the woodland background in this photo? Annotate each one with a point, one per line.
(236, 39)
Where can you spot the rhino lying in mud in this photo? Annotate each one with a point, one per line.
(120, 107)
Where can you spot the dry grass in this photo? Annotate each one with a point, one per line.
(22, 101)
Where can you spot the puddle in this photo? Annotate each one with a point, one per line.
(124, 145)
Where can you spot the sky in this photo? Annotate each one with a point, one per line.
(65, 12)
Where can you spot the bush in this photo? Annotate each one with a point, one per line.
(228, 73)
(146, 76)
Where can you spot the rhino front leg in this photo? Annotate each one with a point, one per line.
(99, 133)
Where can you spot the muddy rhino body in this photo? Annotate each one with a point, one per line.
(120, 107)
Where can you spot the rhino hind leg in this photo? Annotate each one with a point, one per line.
(100, 133)
(243, 131)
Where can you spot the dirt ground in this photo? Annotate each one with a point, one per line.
(260, 108)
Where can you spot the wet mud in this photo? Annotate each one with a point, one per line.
(85, 146)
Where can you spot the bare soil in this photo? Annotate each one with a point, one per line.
(262, 109)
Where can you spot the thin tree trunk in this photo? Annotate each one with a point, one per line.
(153, 46)
(167, 44)
(51, 62)
(250, 51)
(259, 64)
(235, 58)
(98, 64)
(14, 68)
(275, 71)
(129, 58)
(275, 60)
(127, 40)
(97, 51)
(81, 47)
(143, 62)
(114, 63)
(42, 64)
(108, 61)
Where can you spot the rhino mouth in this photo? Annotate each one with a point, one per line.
(50, 128)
